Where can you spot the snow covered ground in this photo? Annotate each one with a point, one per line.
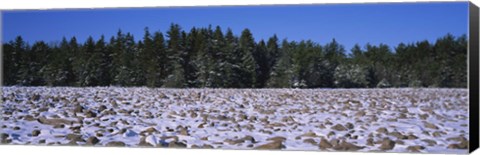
(391, 120)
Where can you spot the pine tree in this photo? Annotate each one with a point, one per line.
(36, 63)
(191, 47)
(282, 72)
(262, 68)
(88, 74)
(247, 65)
(14, 61)
(174, 55)
(335, 54)
(217, 62)
(232, 58)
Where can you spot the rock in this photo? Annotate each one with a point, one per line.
(338, 127)
(59, 126)
(355, 137)
(16, 128)
(430, 125)
(54, 121)
(43, 109)
(382, 130)
(208, 146)
(115, 143)
(398, 135)
(429, 142)
(90, 114)
(423, 116)
(42, 141)
(345, 146)
(387, 144)
(29, 118)
(415, 148)
(175, 144)
(99, 134)
(102, 108)
(370, 142)
(360, 114)
(4, 136)
(143, 142)
(35, 133)
(309, 134)
(459, 139)
(234, 142)
(77, 109)
(249, 138)
(412, 137)
(331, 133)
(310, 141)
(349, 126)
(462, 145)
(74, 138)
(392, 120)
(334, 141)
(437, 134)
(275, 145)
(184, 131)
(399, 142)
(324, 144)
(148, 131)
(201, 125)
(402, 116)
(6, 141)
(92, 140)
(278, 138)
(348, 135)
(322, 126)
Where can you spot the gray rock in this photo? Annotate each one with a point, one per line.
(324, 144)
(115, 144)
(35, 133)
(275, 145)
(387, 144)
(177, 145)
(338, 127)
(92, 140)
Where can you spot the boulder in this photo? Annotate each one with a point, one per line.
(324, 144)
(310, 141)
(382, 130)
(175, 144)
(115, 144)
(275, 145)
(430, 125)
(345, 146)
(277, 138)
(415, 148)
(349, 126)
(35, 133)
(387, 144)
(92, 140)
(338, 127)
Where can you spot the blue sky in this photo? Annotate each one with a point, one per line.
(389, 23)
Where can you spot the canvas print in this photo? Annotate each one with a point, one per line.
(378, 77)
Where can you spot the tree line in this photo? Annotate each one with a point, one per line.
(208, 57)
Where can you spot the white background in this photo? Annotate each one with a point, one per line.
(49, 4)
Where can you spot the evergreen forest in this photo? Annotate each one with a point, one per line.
(210, 57)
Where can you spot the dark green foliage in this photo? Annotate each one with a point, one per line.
(247, 61)
(207, 57)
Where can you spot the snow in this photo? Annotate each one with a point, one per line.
(172, 108)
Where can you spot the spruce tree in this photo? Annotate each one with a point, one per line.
(247, 62)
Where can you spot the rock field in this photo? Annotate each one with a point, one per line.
(391, 120)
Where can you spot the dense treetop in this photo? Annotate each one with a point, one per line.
(214, 58)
